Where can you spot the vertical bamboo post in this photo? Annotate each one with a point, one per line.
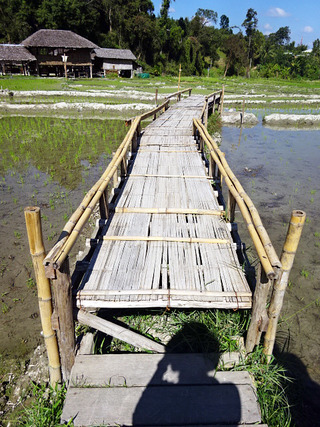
(212, 167)
(259, 316)
(179, 77)
(63, 314)
(103, 204)
(37, 251)
(214, 104)
(243, 107)
(221, 100)
(287, 257)
(156, 97)
(231, 207)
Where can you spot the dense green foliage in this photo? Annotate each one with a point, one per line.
(162, 43)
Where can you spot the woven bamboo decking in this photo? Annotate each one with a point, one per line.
(167, 243)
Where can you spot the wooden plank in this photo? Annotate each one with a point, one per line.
(162, 405)
(119, 332)
(115, 370)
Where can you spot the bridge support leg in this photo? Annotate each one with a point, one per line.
(259, 316)
(288, 253)
(62, 318)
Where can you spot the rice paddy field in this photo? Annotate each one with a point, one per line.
(57, 137)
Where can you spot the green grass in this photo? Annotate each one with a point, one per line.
(45, 408)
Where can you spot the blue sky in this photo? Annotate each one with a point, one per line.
(302, 17)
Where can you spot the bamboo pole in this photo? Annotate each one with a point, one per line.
(259, 316)
(37, 251)
(242, 113)
(287, 257)
(272, 255)
(221, 100)
(179, 77)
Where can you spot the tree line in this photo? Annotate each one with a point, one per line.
(203, 44)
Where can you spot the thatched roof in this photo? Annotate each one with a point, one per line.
(58, 38)
(114, 54)
(15, 53)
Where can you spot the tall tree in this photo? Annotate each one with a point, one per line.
(250, 25)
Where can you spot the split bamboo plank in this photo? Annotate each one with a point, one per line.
(168, 239)
(180, 211)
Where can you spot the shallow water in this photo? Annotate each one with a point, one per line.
(49, 163)
(280, 171)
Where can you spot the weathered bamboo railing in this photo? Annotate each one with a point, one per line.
(205, 110)
(179, 93)
(275, 273)
(237, 195)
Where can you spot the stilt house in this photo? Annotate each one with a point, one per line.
(51, 46)
(121, 61)
(15, 58)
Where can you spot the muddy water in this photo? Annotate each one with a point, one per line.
(280, 170)
(49, 163)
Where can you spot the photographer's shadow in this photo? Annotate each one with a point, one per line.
(184, 389)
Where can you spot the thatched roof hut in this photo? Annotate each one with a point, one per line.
(119, 60)
(15, 53)
(49, 46)
(14, 58)
(114, 54)
(58, 38)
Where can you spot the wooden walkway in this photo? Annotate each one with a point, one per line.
(158, 390)
(167, 243)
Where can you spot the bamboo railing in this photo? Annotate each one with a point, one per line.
(179, 93)
(237, 195)
(205, 110)
(58, 254)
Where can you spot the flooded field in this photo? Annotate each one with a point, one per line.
(49, 163)
(280, 171)
(52, 162)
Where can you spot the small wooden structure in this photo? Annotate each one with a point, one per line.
(165, 239)
(121, 61)
(48, 46)
(15, 58)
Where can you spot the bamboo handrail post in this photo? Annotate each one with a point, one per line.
(221, 100)
(63, 313)
(214, 104)
(259, 316)
(231, 207)
(37, 251)
(156, 97)
(212, 167)
(287, 257)
(103, 205)
(190, 90)
(123, 166)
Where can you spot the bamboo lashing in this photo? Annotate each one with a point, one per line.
(178, 211)
(272, 255)
(287, 257)
(37, 251)
(243, 207)
(166, 239)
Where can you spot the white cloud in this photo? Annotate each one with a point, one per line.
(268, 29)
(171, 10)
(308, 29)
(278, 12)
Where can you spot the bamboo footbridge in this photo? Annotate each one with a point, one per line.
(165, 238)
